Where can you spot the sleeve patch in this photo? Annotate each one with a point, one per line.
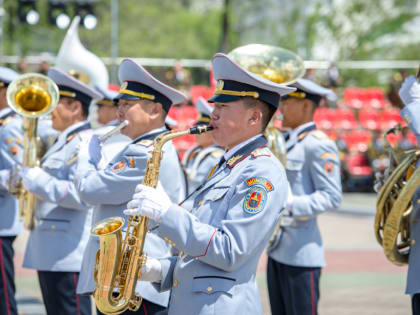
(329, 167)
(260, 181)
(14, 150)
(255, 200)
(119, 166)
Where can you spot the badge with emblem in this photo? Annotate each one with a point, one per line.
(256, 195)
(14, 150)
(233, 160)
(119, 166)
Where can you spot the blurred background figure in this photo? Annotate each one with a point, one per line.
(22, 66)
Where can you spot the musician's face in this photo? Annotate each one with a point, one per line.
(106, 114)
(3, 98)
(232, 123)
(293, 111)
(140, 115)
(67, 113)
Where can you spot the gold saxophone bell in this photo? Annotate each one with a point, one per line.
(32, 96)
(278, 65)
(118, 262)
(394, 204)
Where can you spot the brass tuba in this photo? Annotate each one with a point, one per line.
(118, 263)
(394, 205)
(278, 65)
(32, 96)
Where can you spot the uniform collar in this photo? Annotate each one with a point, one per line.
(73, 128)
(302, 128)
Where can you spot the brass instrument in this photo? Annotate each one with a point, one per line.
(118, 263)
(394, 205)
(277, 65)
(32, 96)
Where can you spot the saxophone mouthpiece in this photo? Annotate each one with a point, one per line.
(200, 129)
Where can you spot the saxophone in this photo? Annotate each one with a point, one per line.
(118, 263)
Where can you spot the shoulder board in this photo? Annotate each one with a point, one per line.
(217, 153)
(319, 134)
(145, 143)
(261, 152)
(302, 136)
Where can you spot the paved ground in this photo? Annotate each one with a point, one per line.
(357, 280)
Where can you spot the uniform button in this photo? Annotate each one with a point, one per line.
(175, 283)
(200, 202)
(413, 242)
(53, 227)
(209, 289)
(173, 244)
(415, 221)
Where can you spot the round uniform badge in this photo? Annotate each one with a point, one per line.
(255, 199)
(328, 167)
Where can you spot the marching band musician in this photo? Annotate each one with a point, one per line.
(199, 160)
(234, 211)
(56, 245)
(410, 95)
(144, 102)
(296, 254)
(11, 144)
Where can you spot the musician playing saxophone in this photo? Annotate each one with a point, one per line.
(56, 244)
(410, 95)
(144, 102)
(234, 212)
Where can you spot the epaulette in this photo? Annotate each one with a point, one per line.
(319, 134)
(261, 152)
(217, 153)
(302, 136)
(145, 143)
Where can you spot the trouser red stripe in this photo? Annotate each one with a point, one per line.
(77, 297)
(144, 307)
(4, 280)
(313, 293)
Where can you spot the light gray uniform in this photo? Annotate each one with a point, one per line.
(110, 189)
(198, 162)
(11, 149)
(411, 115)
(57, 243)
(313, 171)
(222, 239)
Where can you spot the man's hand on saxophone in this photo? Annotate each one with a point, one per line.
(150, 202)
(4, 178)
(29, 175)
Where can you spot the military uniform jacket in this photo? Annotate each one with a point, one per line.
(59, 240)
(110, 190)
(11, 149)
(313, 171)
(198, 163)
(222, 239)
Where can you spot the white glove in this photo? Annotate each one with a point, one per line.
(95, 153)
(4, 178)
(29, 175)
(410, 90)
(289, 203)
(151, 271)
(149, 202)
